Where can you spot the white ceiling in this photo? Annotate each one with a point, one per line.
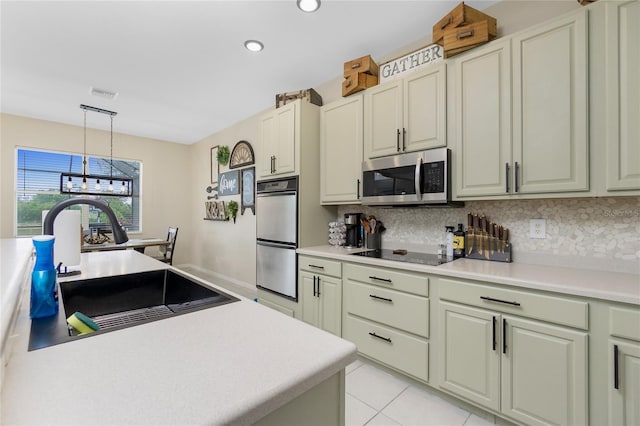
(180, 67)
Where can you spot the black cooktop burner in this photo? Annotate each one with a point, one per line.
(411, 257)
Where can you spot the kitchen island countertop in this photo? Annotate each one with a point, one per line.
(604, 285)
(233, 363)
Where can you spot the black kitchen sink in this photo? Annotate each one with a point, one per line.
(122, 301)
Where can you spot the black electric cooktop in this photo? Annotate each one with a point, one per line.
(411, 257)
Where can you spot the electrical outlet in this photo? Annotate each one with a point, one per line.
(537, 228)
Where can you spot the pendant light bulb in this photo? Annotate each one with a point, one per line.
(84, 183)
(69, 183)
(98, 186)
(123, 188)
(111, 185)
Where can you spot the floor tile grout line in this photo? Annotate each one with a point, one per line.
(467, 419)
(389, 403)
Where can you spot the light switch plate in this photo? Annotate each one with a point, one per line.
(537, 228)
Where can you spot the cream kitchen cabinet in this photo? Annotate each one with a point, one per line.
(321, 293)
(341, 151)
(284, 133)
(386, 314)
(524, 368)
(521, 120)
(624, 366)
(482, 151)
(622, 96)
(406, 115)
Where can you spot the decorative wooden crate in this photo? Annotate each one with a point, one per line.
(459, 16)
(457, 40)
(308, 95)
(358, 81)
(361, 65)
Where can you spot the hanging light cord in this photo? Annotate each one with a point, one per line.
(111, 155)
(84, 156)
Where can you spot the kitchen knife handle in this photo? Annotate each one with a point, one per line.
(515, 176)
(386, 280)
(506, 173)
(398, 139)
(491, 299)
(386, 339)
(616, 371)
(504, 336)
(358, 189)
(493, 332)
(373, 296)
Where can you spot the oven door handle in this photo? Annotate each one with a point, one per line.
(417, 177)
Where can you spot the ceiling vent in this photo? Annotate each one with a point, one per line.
(103, 93)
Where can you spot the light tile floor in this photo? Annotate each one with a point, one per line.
(375, 397)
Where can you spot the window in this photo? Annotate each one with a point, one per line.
(38, 189)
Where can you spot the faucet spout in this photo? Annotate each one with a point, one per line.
(119, 234)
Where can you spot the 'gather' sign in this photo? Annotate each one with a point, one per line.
(411, 62)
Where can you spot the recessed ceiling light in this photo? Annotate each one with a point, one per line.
(308, 5)
(108, 94)
(253, 45)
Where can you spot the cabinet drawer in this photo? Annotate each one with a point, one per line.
(389, 278)
(624, 323)
(400, 310)
(319, 265)
(547, 308)
(394, 348)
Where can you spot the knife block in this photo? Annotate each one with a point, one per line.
(485, 247)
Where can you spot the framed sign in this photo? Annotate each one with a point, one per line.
(242, 155)
(248, 190)
(229, 183)
(215, 168)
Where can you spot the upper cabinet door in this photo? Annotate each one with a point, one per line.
(550, 106)
(383, 118)
(341, 151)
(623, 95)
(425, 118)
(278, 141)
(483, 121)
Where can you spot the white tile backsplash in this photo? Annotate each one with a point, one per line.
(591, 233)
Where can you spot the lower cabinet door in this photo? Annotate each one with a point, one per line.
(544, 373)
(624, 383)
(308, 299)
(330, 309)
(390, 346)
(470, 353)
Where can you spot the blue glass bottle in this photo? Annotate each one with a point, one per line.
(44, 296)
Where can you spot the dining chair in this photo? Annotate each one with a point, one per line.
(167, 251)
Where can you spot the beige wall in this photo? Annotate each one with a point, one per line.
(165, 185)
(224, 248)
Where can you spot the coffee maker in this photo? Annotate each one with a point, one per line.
(352, 222)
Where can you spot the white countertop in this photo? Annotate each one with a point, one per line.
(611, 286)
(233, 363)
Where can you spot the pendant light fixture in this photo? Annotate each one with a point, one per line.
(67, 179)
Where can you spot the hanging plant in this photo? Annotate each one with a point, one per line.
(223, 155)
(232, 208)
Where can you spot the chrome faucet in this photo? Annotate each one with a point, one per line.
(119, 234)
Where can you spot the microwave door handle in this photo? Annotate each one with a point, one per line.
(417, 178)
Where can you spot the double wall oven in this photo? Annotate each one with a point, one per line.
(277, 236)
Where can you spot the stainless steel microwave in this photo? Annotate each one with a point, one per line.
(408, 179)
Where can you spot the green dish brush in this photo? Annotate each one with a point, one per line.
(82, 323)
